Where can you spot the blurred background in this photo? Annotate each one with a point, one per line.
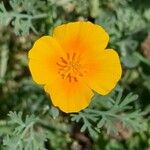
(21, 23)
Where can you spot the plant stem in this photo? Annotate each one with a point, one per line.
(24, 16)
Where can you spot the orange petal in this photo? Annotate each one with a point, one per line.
(81, 37)
(69, 96)
(43, 57)
(44, 48)
(103, 74)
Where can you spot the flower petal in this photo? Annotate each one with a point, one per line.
(69, 96)
(43, 57)
(103, 74)
(82, 37)
(44, 48)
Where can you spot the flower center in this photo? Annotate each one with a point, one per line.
(70, 67)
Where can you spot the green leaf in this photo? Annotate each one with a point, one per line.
(130, 60)
(21, 22)
(24, 136)
(54, 112)
(119, 112)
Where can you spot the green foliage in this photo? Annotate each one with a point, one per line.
(24, 136)
(54, 112)
(32, 133)
(22, 22)
(119, 112)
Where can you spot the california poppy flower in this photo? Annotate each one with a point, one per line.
(73, 62)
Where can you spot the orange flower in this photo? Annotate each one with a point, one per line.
(73, 63)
